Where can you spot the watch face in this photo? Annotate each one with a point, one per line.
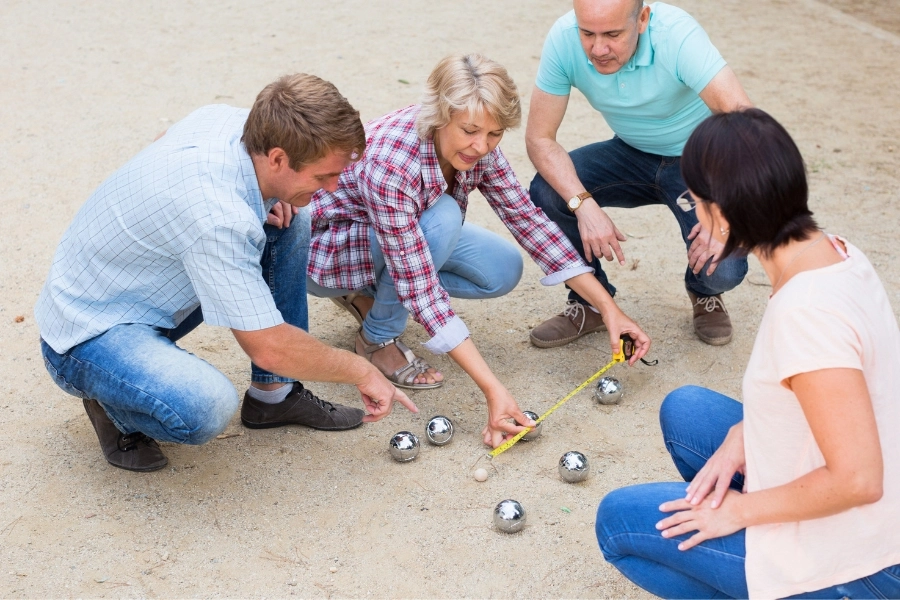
(574, 203)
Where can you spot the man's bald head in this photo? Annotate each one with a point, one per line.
(636, 5)
(609, 31)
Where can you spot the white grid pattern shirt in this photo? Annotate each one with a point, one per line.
(179, 226)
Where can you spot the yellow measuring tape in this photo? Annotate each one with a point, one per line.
(617, 358)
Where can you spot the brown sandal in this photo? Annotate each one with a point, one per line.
(405, 376)
(346, 302)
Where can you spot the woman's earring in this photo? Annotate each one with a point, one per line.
(724, 231)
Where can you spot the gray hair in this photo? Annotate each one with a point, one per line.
(472, 83)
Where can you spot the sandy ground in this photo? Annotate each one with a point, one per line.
(296, 512)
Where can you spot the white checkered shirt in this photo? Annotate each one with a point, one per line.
(179, 226)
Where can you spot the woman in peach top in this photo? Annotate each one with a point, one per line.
(814, 447)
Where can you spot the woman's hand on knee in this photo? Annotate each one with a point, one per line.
(715, 477)
(708, 522)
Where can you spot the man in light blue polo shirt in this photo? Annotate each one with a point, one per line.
(183, 234)
(654, 75)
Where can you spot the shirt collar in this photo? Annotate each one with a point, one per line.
(431, 168)
(251, 184)
(643, 54)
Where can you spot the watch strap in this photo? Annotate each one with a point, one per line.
(580, 197)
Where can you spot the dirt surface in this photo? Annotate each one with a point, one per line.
(295, 512)
(881, 13)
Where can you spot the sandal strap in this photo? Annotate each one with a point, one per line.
(406, 374)
(407, 353)
(414, 366)
(369, 349)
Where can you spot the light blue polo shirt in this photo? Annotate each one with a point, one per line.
(652, 102)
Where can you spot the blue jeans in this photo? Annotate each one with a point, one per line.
(146, 383)
(471, 263)
(621, 176)
(627, 517)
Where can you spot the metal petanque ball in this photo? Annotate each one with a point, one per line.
(509, 516)
(609, 391)
(404, 446)
(439, 430)
(573, 467)
(534, 433)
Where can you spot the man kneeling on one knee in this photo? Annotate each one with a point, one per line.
(183, 234)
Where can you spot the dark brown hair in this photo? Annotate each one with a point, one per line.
(306, 117)
(746, 163)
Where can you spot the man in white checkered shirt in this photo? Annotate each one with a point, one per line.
(192, 230)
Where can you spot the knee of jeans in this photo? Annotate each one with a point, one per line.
(218, 404)
(295, 235)
(509, 257)
(542, 193)
(608, 514)
(677, 406)
(728, 275)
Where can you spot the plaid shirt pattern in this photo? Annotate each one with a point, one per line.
(398, 179)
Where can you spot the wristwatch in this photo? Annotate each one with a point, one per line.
(575, 201)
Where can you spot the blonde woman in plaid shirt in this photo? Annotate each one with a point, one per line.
(392, 239)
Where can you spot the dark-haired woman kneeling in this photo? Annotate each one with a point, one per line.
(814, 445)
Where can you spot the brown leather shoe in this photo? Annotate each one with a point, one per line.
(132, 452)
(711, 321)
(569, 325)
(301, 407)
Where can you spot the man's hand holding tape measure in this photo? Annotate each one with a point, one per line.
(620, 327)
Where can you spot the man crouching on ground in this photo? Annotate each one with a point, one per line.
(179, 236)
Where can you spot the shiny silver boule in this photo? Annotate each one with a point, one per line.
(573, 467)
(404, 446)
(439, 430)
(509, 516)
(534, 433)
(609, 391)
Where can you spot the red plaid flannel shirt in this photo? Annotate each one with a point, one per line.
(396, 180)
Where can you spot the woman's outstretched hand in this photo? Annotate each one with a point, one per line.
(501, 408)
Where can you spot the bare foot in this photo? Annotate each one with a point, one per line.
(389, 359)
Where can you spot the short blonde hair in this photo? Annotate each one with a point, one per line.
(473, 83)
(305, 116)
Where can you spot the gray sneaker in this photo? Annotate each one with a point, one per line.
(301, 407)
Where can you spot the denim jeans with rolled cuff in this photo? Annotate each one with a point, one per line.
(620, 176)
(146, 383)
